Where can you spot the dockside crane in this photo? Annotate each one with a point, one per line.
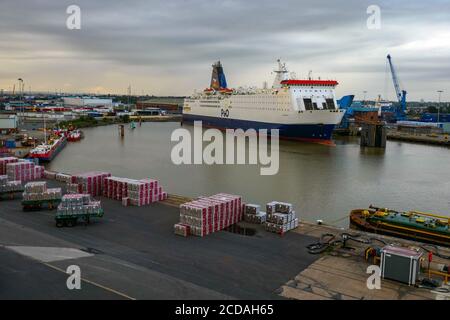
(400, 93)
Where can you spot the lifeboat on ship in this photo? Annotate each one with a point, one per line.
(226, 91)
(208, 91)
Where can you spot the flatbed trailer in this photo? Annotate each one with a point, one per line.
(70, 220)
(9, 195)
(36, 205)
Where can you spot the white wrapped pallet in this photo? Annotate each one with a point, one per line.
(49, 175)
(10, 186)
(73, 188)
(38, 191)
(3, 179)
(271, 207)
(78, 204)
(182, 229)
(258, 218)
(280, 217)
(252, 209)
(63, 177)
(283, 207)
(36, 187)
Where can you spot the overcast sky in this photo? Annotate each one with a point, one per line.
(167, 47)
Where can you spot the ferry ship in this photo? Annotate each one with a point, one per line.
(46, 151)
(419, 226)
(304, 110)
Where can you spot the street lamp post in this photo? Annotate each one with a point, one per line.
(21, 97)
(439, 105)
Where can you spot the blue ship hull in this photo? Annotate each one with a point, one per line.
(304, 132)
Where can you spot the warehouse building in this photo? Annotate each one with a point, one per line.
(77, 102)
(8, 122)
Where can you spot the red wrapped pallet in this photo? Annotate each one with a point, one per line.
(209, 214)
(4, 161)
(140, 192)
(23, 171)
(92, 182)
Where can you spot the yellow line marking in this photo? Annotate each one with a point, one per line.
(94, 283)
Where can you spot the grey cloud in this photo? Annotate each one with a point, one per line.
(171, 39)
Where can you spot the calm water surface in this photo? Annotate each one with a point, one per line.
(322, 182)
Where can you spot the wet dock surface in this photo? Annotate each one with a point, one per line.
(136, 255)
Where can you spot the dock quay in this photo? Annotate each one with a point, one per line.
(162, 118)
(436, 139)
(133, 253)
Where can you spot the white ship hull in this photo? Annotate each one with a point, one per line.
(300, 109)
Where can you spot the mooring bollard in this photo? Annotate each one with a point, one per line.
(121, 130)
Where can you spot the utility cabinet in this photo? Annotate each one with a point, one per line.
(400, 264)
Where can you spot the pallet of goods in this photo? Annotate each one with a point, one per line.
(24, 171)
(50, 175)
(137, 192)
(91, 182)
(39, 172)
(253, 214)
(77, 206)
(209, 214)
(7, 186)
(281, 217)
(4, 161)
(182, 229)
(63, 177)
(74, 188)
(38, 191)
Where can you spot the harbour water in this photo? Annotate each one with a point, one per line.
(323, 182)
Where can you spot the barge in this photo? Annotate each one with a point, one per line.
(414, 225)
(48, 150)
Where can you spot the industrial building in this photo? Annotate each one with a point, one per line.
(8, 122)
(89, 102)
(174, 105)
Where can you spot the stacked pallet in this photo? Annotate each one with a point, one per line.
(73, 188)
(209, 214)
(38, 191)
(78, 204)
(134, 192)
(144, 192)
(50, 175)
(38, 172)
(4, 161)
(63, 177)
(24, 171)
(9, 186)
(90, 182)
(280, 217)
(253, 214)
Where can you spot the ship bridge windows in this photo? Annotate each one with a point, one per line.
(308, 104)
(330, 104)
